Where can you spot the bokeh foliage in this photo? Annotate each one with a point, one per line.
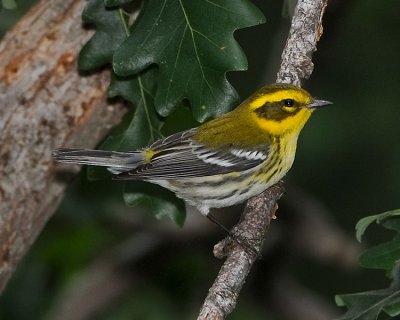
(386, 302)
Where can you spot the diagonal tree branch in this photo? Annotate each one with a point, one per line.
(305, 31)
(223, 294)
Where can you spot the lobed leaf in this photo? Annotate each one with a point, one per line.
(146, 123)
(383, 256)
(364, 223)
(392, 222)
(140, 126)
(393, 309)
(161, 202)
(369, 305)
(111, 31)
(193, 45)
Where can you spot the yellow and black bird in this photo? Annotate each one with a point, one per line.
(224, 161)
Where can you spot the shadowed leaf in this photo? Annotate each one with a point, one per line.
(193, 45)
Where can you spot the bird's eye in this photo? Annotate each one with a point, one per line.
(288, 103)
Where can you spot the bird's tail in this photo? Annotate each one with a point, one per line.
(116, 162)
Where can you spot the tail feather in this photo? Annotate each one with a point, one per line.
(116, 162)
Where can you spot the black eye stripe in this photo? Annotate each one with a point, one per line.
(268, 106)
(275, 110)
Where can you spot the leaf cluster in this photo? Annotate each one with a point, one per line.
(384, 302)
(176, 51)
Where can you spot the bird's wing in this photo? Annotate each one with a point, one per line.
(181, 156)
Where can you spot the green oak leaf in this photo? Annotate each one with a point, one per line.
(146, 123)
(142, 125)
(392, 222)
(383, 256)
(370, 304)
(193, 45)
(111, 31)
(364, 223)
(162, 202)
(393, 308)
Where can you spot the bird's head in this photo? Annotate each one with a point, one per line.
(282, 108)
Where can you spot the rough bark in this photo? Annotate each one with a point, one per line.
(45, 104)
(256, 218)
(305, 31)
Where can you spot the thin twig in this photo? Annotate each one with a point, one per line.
(305, 31)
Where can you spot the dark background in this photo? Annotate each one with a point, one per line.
(347, 165)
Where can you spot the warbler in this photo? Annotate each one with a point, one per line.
(224, 161)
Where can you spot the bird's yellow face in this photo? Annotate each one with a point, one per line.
(281, 109)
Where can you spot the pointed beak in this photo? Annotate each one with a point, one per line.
(318, 103)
